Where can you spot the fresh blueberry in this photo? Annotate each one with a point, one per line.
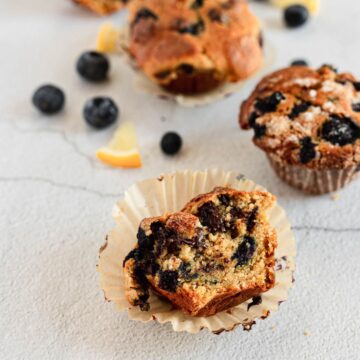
(100, 112)
(93, 66)
(296, 15)
(299, 62)
(171, 143)
(340, 130)
(307, 150)
(49, 99)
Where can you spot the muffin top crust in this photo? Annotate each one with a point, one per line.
(168, 37)
(307, 117)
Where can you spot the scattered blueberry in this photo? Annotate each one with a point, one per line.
(100, 112)
(307, 150)
(299, 62)
(49, 99)
(296, 15)
(270, 103)
(245, 251)
(171, 143)
(93, 66)
(340, 130)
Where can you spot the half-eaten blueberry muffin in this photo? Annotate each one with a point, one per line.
(215, 254)
(192, 46)
(308, 123)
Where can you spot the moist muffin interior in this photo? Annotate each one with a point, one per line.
(224, 244)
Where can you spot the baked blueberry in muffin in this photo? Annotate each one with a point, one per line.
(192, 46)
(215, 254)
(308, 123)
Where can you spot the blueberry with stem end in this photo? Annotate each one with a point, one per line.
(93, 66)
(100, 112)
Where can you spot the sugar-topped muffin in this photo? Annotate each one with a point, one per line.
(192, 46)
(308, 123)
(215, 254)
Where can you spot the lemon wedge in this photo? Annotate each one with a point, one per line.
(107, 38)
(312, 5)
(123, 150)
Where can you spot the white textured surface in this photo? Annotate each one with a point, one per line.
(56, 200)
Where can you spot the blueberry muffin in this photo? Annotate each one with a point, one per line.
(308, 123)
(192, 46)
(102, 7)
(215, 254)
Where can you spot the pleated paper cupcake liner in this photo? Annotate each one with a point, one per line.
(312, 181)
(170, 193)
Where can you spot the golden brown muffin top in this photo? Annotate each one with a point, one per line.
(308, 117)
(196, 35)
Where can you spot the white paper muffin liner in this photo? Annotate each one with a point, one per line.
(170, 193)
(312, 181)
(144, 84)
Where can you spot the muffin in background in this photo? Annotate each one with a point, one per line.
(102, 7)
(193, 46)
(308, 123)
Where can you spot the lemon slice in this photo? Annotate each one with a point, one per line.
(312, 5)
(107, 38)
(123, 150)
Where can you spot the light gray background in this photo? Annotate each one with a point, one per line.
(56, 199)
